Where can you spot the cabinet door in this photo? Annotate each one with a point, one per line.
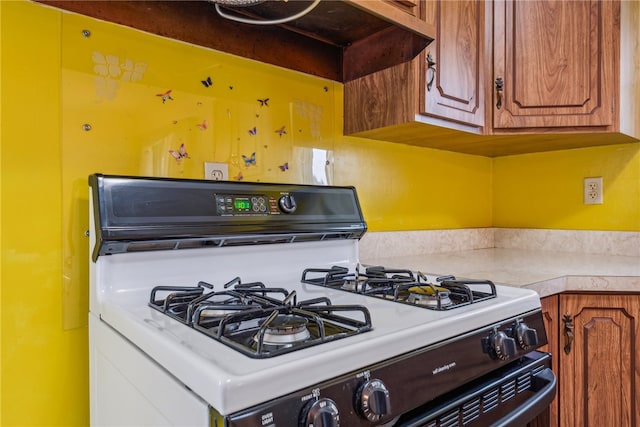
(600, 379)
(551, 325)
(452, 67)
(555, 63)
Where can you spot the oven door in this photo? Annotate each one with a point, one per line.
(510, 396)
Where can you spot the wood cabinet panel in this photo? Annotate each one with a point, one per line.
(555, 60)
(452, 68)
(550, 314)
(600, 373)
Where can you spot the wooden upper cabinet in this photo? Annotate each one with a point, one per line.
(567, 74)
(442, 87)
(451, 69)
(554, 61)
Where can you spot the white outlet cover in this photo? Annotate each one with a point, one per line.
(593, 191)
(216, 171)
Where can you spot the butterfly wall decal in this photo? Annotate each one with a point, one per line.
(207, 82)
(264, 102)
(281, 131)
(180, 154)
(284, 167)
(253, 131)
(239, 177)
(249, 161)
(165, 96)
(204, 125)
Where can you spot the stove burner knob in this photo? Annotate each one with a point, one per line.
(287, 203)
(503, 346)
(322, 413)
(527, 337)
(374, 400)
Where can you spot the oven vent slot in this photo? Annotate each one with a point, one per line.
(490, 400)
(523, 383)
(470, 411)
(508, 391)
(452, 419)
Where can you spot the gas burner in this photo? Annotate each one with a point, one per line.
(259, 321)
(285, 329)
(403, 286)
(372, 279)
(430, 296)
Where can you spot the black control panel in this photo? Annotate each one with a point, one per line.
(379, 393)
(144, 213)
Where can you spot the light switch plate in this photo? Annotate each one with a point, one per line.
(216, 171)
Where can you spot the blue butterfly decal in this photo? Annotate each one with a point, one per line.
(284, 167)
(248, 161)
(207, 82)
(253, 131)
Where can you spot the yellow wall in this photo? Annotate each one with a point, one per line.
(545, 190)
(52, 82)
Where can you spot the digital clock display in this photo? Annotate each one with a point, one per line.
(242, 204)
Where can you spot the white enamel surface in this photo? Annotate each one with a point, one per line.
(230, 381)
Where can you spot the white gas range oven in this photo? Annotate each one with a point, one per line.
(244, 305)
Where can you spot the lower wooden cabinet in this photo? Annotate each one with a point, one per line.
(594, 339)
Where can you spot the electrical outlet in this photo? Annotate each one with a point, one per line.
(216, 171)
(593, 191)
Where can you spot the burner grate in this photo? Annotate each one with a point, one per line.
(258, 321)
(403, 286)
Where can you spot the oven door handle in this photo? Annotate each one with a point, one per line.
(536, 404)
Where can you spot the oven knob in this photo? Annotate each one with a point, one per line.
(503, 346)
(527, 337)
(374, 400)
(287, 203)
(321, 413)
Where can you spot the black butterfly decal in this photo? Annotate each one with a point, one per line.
(207, 82)
(284, 167)
(264, 102)
(253, 131)
(281, 131)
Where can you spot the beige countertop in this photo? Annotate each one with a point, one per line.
(546, 272)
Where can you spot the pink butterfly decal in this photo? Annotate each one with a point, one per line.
(281, 131)
(165, 96)
(204, 125)
(253, 131)
(239, 177)
(180, 154)
(264, 102)
(248, 161)
(284, 167)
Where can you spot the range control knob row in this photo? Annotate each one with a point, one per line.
(527, 337)
(503, 346)
(374, 400)
(321, 413)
